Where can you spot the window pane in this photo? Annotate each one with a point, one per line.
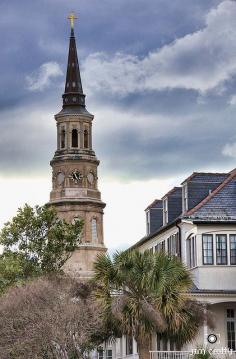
(168, 245)
(172, 345)
(109, 354)
(160, 247)
(158, 342)
(100, 353)
(163, 246)
(129, 345)
(232, 239)
(207, 248)
(230, 313)
(221, 249)
(231, 333)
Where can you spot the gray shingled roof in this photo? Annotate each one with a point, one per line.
(222, 205)
(218, 206)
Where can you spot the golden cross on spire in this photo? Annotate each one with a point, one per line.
(72, 17)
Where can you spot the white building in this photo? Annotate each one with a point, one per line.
(197, 223)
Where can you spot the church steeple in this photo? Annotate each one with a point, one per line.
(75, 192)
(73, 95)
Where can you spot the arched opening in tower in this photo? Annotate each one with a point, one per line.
(63, 138)
(85, 138)
(74, 138)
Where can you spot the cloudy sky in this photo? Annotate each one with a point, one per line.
(160, 78)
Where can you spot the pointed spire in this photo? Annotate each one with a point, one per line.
(73, 95)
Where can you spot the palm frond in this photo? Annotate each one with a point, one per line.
(145, 292)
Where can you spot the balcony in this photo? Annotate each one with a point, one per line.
(221, 353)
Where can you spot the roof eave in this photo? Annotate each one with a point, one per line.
(159, 231)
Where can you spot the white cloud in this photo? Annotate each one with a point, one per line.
(229, 150)
(124, 225)
(200, 61)
(41, 78)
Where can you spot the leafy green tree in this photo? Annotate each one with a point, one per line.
(35, 242)
(145, 293)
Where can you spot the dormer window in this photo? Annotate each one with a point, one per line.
(165, 211)
(148, 222)
(185, 197)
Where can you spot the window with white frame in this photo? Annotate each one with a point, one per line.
(165, 211)
(163, 246)
(160, 247)
(178, 245)
(230, 322)
(104, 353)
(207, 249)
(232, 246)
(222, 246)
(169, 245)
(191, 252)
(109, 354)
(185, 197)
(163, 344)
(221, 249)
(100, 352)
(173, 245)
(94, 230)
(129, 345)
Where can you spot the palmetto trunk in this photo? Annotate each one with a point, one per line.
(144, 346)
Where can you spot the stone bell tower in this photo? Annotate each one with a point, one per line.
(75, 193)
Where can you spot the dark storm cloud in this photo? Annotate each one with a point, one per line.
(27, 141)
(174, 123)
(35, 32)
(194, 143)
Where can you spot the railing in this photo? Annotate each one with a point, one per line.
(216, 354)
(227, 355)
(170, 355)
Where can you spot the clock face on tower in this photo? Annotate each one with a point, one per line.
(76, 176)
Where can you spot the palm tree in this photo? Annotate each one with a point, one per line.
(145, 293)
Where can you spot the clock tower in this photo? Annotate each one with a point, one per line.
(74, 170)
